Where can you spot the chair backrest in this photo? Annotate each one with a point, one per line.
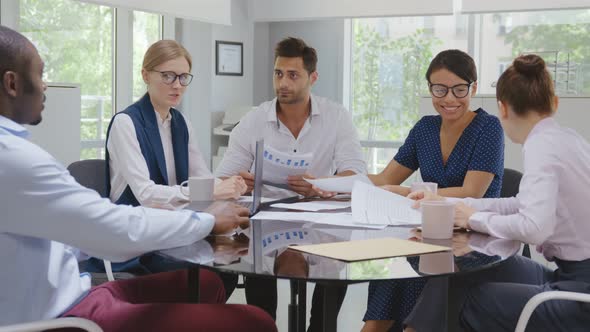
(510, 182)
(91, 174)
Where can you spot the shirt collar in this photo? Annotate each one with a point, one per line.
(271, 112)
(164, 122)
(13, 127)
(541, 126)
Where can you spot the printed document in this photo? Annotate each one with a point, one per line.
(279, 165)
(373, 205)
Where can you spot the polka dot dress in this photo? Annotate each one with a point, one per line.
(480, 148)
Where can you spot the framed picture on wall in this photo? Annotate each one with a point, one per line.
(229, 58)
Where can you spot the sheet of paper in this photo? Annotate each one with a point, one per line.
(279, 165)
(313, 206)
(345, 220)
(248, 199)
(337, 219)
(373, 205)
(339, 184)
(352, 251)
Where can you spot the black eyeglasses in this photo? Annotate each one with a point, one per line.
(169, 77)
(441, 90)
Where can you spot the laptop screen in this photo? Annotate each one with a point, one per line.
(257, 191)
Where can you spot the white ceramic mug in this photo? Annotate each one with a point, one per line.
(424, 186)
(438, 218)
(200, 188)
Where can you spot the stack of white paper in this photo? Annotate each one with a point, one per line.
(376, 206)
(313, 205)
(337, 219)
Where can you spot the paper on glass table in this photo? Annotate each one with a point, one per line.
(279, 165)
(373, 205)
(337, 219)
(313, 206)
(339, 184)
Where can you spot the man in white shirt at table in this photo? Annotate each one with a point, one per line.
(47, 216)
(296, 123)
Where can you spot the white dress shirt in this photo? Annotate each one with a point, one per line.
(552, 207)
(328, 133)
(44, 211)
(128, 166)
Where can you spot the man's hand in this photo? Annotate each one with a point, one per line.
(249, 179)
(228, 216)
(298, 184)
(230, 188)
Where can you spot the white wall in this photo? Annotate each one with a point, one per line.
(228, 91)
(281, 10)
(263, 58)
(209, 92)
(196, 104)
(326, 36)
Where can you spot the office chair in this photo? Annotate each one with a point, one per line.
(91, 173)
(50, 324)
(536, 300)
(510, 184)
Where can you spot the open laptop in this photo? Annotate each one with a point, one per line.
(256, 203)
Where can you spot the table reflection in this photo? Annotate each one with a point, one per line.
(263, 250)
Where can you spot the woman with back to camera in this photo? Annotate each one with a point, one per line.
(459, 149)
(551, 211)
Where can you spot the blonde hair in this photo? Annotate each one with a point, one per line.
(162, 51)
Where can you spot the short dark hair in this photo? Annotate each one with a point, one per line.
(455, 61)
(296, 48)
(527, 86)
(14, 52)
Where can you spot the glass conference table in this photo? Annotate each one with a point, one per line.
(261, 251)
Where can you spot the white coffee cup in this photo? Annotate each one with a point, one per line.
(424, 186)
(439, 262)
(438, 218)
(200, 188)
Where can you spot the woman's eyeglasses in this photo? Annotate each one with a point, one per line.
(169, 77)
(441, 90)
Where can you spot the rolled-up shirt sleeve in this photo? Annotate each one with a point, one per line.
(531, 216)
(348, 154)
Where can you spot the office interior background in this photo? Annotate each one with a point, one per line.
(372, 58)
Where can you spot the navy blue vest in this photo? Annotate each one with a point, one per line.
(148, 135)
(146, 129)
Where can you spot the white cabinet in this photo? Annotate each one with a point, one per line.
(59, 132)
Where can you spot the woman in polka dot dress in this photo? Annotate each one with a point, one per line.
(460, 149)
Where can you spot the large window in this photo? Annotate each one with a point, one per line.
(147, 29)
(389, 59)
(75, 41)
(562, 38)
